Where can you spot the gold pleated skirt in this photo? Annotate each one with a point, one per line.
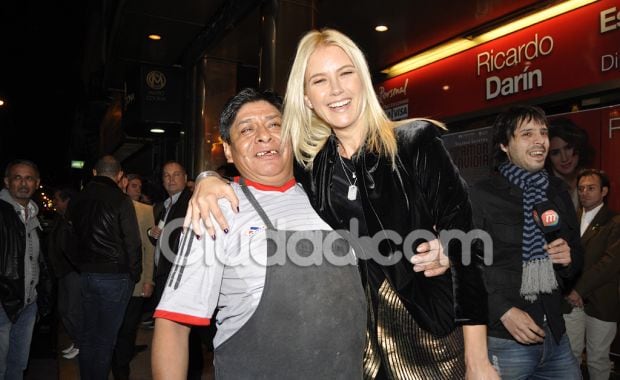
(402, 349)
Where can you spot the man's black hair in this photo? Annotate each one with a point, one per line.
(234, 104)
(507, 122)
(602, 176)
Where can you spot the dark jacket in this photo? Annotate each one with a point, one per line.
(12, 251)
(598, 284)
(177, 214)
(60, 247)
(106, 228)
(426, 192)
(497, 206)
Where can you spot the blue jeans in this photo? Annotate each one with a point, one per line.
(15, 341)
(104, 300)
(548, 360)
(69, 305)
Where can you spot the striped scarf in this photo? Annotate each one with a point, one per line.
(538, 275)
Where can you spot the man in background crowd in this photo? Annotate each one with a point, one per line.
(60, 252)
(595, 303)
(126, 348)
(21, 264)
(133, 187)
(109, 259)
(166, 235)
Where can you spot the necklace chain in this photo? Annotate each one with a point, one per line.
(352, 192)
(345, 169)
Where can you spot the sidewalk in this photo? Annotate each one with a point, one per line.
(47, 363)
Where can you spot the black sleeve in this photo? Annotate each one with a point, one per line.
(496, 278)
(131, 238)
(570, 233)
(447, 197)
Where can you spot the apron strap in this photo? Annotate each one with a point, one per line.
(255, 204)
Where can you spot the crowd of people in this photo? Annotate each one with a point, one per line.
(333, 253)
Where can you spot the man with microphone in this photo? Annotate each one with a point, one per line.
(531, 261)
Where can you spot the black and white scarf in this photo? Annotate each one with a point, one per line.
(538, 275)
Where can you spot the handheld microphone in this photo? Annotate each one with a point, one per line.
(548, 220)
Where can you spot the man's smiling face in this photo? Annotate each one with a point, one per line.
(528, 146)
(256, 146)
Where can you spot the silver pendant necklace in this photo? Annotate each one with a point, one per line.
(352, 193)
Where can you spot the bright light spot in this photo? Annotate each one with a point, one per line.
(1, 102)
(154, 37)
(158, 130)
(445, 87)
(381, 28)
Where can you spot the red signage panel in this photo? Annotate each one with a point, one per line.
(576, 51)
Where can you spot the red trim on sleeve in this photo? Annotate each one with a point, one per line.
(259, 186)
(182, 318)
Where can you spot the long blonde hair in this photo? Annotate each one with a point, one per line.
(307, 131)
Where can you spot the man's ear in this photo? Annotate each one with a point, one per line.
(6, 182)
(604, 191)
(119, 177)
(228, 153)
(122, 183)
(504, 148)
(94, 173)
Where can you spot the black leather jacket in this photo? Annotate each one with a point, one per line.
(424, 191)
(106, 228)
(12, 250)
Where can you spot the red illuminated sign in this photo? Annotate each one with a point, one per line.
(576, 53)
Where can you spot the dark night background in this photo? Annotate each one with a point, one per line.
(40, 83)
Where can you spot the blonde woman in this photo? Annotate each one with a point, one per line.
(385, 181)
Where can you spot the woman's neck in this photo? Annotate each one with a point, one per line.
(349, 142)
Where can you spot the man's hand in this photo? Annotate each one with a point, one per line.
(575, 299)
(147, 290)
(483, 371)
(430, 259)
(203, 204)
(154, 232)
(522, 327)
(559, 252)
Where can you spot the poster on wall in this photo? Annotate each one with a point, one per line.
(602, 126)
(472, 152)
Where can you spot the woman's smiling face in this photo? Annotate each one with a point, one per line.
(333, 88)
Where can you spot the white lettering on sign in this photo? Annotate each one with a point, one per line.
(609, 20)
(490, 60)
(389, 94)
(527, 80)
(610, 62)
(398, 112)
